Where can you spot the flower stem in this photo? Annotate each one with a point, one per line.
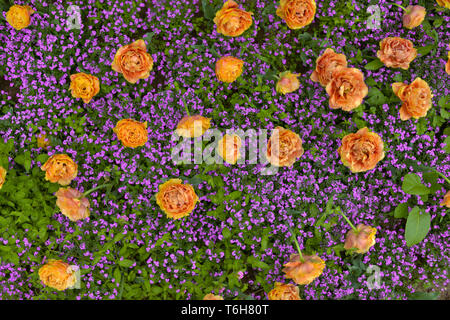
(96, 188)
(445, 178)
(404, 9)
(349, 222)
(185, 107)
(298, 247)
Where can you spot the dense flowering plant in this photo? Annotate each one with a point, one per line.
(212, 149)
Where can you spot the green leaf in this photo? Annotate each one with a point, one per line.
(417, 226)
(234, 195)
(148, 37)
(125, 263)
(431, 178)
(425, 50)
(256, 263)
(42, 158)
(117, 275)
(376, 97)
(208, 10)
(423, 296)
(401, 211)
(412, 185)
(226, 233)
(398, 77)
(447, 144)
(374, 65)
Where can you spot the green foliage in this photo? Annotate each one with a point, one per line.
(374, 65)
(412, 185)
(417, 226)
(401, 211)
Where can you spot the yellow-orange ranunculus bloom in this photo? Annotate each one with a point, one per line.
(361, 151)
(346, 88)
(288, 82)
(84, 86)
(131, 133)
(416, 98)
(444, 3)
(303, 272)
(284, 147)
(2, 176)
(446, 200)
(19, 16)
(229, 68)
(326, 64)
(193, 126)
(297, 13)
(414, 16)
(60, 168)
(57, 274)
(284, 291)
(396, 52)
(447, 65)
(133, 61)
(176, 199)
(362, 240)
(42, 141)
(72, 204)
(211, 296)
(232, 21)
(228, 148)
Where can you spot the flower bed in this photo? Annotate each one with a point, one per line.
(110, 95)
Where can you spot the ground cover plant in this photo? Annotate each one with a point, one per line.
(93, 206)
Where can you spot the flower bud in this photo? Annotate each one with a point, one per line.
(303, 272)
(413, 16)
(362, 239)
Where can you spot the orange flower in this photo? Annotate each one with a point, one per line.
(284, 292)
(396, 52)
(361, 151)
(228, 68)
(447, 65)
(414, 16)
(19, 16)
(177, 200)
(444, 3)
(72, 204)
(284, 147)
(57, 274)
(131, 133)
(288, 82)
(303, 272)
(326, 64)
(211, 296)
(193, 126)
(42, 141)
(297, 13)
(232, 21)
(84, 86)
(60, 168)
(416, 98)
(346, 89)
(228, 148)
(362, 240)
(446, 200)
(2, 176)
(133, 61)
